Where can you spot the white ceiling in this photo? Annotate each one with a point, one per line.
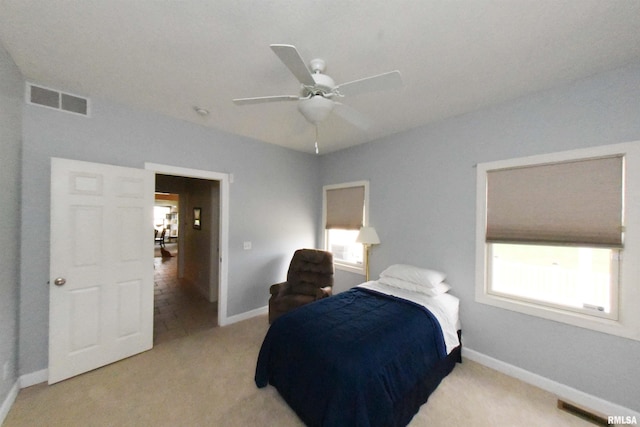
(455, 56)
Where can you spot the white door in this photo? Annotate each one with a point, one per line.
(101, 265)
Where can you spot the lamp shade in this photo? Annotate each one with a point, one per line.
(368, 236)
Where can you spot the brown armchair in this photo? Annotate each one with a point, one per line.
(310, 277)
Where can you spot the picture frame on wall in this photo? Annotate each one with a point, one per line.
(196, 218)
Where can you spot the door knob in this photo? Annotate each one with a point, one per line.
(60, 281)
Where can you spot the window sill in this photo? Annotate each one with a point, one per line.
(608, 326)
(351, 268)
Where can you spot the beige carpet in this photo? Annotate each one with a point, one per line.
(206, 379)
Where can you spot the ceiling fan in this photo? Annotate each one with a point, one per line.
(318, 90)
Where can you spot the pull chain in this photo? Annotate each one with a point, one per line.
(316, 139)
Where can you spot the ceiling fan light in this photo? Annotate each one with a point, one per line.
(315, 109)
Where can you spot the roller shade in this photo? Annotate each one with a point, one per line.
(577, 202)
(345, 208)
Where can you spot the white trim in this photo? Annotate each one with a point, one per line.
(352, 268)
(247, 315)
(224, 224)
(8, 402)
(23, 381)
(628, 297)
(37, 377)
(564, 392)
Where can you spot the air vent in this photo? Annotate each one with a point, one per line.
(45, 97)
(583, 413)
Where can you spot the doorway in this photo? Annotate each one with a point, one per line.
(185, 262)
(125, 258)
(199, 248)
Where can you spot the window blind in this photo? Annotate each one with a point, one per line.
(576, 202)
(345, 208)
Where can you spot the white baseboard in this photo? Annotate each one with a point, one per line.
(244, 316)
(564, 392)
(8, 402)
(22, 382)
(34, 378)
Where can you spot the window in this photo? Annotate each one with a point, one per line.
(580, 279)
(160, 216)
(552, 231)
(345, 207)
(554, 218)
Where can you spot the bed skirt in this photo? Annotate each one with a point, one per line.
(408, 407)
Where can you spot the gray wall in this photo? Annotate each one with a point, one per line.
(273, 199)
(11, 100)
(422, 203)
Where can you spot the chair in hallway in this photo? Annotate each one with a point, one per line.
(160, 239)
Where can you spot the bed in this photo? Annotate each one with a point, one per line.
(370, 356)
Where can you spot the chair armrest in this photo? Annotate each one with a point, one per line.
(324, 292)
(279, 288)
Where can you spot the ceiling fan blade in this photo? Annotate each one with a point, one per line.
(385, 81)
(264, 99)
(353, 116)
(291, 58)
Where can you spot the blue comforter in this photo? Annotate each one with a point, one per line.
(351, 359)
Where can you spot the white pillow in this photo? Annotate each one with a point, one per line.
(409, 273)
(432, 291)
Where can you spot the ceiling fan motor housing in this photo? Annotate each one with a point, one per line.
(324, 86)
(317, 65)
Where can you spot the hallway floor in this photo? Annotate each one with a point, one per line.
(179, 309)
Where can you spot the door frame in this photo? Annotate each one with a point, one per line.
(224, 179)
